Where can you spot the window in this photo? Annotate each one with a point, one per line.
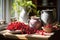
(12, 12)
(5, 10)
(0, 9)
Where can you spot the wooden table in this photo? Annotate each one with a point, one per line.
(24, 36)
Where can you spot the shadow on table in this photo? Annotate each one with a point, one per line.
(56, 36)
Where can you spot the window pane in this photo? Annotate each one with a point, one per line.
(0, 9)
(12, 11)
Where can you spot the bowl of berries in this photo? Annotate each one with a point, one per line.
(47, 28)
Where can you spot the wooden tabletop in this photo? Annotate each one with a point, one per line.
(23, 36)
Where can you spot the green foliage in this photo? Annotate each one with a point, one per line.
(38, 13)
(25, 3)
(22, 3)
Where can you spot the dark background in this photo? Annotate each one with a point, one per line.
(58, 9)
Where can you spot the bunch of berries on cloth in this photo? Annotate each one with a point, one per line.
(25, 28)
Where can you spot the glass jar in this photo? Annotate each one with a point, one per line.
(47, 16)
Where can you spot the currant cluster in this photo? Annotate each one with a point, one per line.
(20, 26)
